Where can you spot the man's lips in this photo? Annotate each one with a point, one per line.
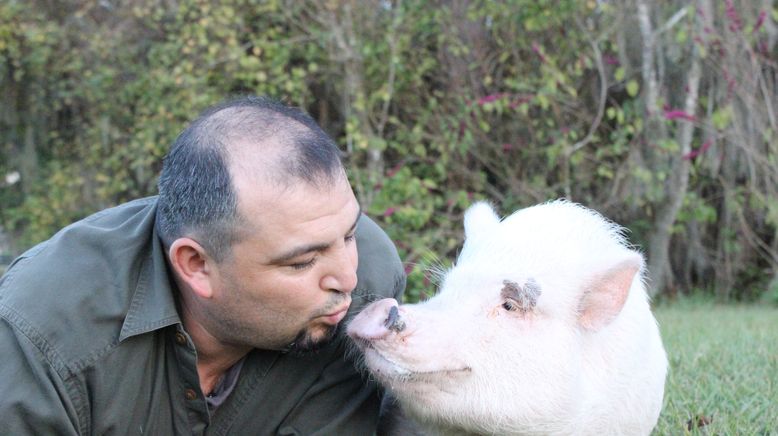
(336, 316)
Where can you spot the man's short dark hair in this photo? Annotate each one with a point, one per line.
(197, 196)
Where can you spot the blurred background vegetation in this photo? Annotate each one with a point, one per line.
(660, 115)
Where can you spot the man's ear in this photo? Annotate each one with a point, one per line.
(192, 265)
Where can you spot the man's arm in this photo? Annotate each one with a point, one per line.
(33, 398)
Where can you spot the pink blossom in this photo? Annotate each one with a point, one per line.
(395, 169)
(507, 147)
(694, 153)
(536, 49)
(676, 114)
(763, 47)
(610, 60)
(490, 98)
(735, 23)
(523, 99)
(759, 21)
(730, 82)
(389, 212)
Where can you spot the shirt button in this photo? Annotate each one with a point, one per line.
(180, 338)
(190, 394)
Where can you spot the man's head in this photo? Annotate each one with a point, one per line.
(250, 193)
(196, 192)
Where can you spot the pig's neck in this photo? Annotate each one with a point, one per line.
(617, 366)
(448, 431)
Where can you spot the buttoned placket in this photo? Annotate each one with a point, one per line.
(186, 355)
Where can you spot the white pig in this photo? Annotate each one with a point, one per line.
(543, 326)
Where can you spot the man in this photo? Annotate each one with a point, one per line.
(213, 308)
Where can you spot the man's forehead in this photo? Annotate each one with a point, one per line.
(253, 162)
(295, 202)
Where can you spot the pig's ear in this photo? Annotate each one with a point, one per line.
(605, 294)
(478, 218)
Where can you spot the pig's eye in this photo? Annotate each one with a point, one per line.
(509, 306)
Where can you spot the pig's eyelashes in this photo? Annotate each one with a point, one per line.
(511, 305)
(517, 297)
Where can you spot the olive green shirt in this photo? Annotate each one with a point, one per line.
(91, 343)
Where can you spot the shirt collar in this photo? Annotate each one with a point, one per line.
(153, 304)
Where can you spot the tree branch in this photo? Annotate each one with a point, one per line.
(603, 92)
(671, 22)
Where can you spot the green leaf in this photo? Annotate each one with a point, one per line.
(605, 172)
(543, 101)
(633, 88)
(619, 74)
(669, 145)
(722, 117)
(681, 36)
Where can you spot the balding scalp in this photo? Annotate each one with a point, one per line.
(254, 135)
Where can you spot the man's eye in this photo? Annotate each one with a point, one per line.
(350, 237)
(303, 265)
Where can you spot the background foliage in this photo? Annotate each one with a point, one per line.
(661, 115)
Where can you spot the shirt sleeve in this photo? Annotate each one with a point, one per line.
(33, 398)
(340, 402)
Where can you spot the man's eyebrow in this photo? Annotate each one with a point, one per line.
(356, 221)
(299, 251)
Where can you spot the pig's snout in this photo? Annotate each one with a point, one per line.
(377, 321)
(393, 321)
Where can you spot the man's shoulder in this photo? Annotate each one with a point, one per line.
(380, 272)
(373, 243)
(70, 294)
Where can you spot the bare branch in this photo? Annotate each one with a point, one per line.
(392, 40)
(671, 22)
(649, 74)
(603, 92)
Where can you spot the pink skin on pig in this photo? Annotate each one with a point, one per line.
(542, 327)
(383, 328)
(447, 365)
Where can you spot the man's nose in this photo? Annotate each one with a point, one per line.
(342, 275)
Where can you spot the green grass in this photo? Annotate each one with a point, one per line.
(723, 365)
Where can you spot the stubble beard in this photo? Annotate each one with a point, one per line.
(309, 340)
(305, 343)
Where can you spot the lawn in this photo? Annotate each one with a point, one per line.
(723, 369)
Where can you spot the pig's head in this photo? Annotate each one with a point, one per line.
(542, 326)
